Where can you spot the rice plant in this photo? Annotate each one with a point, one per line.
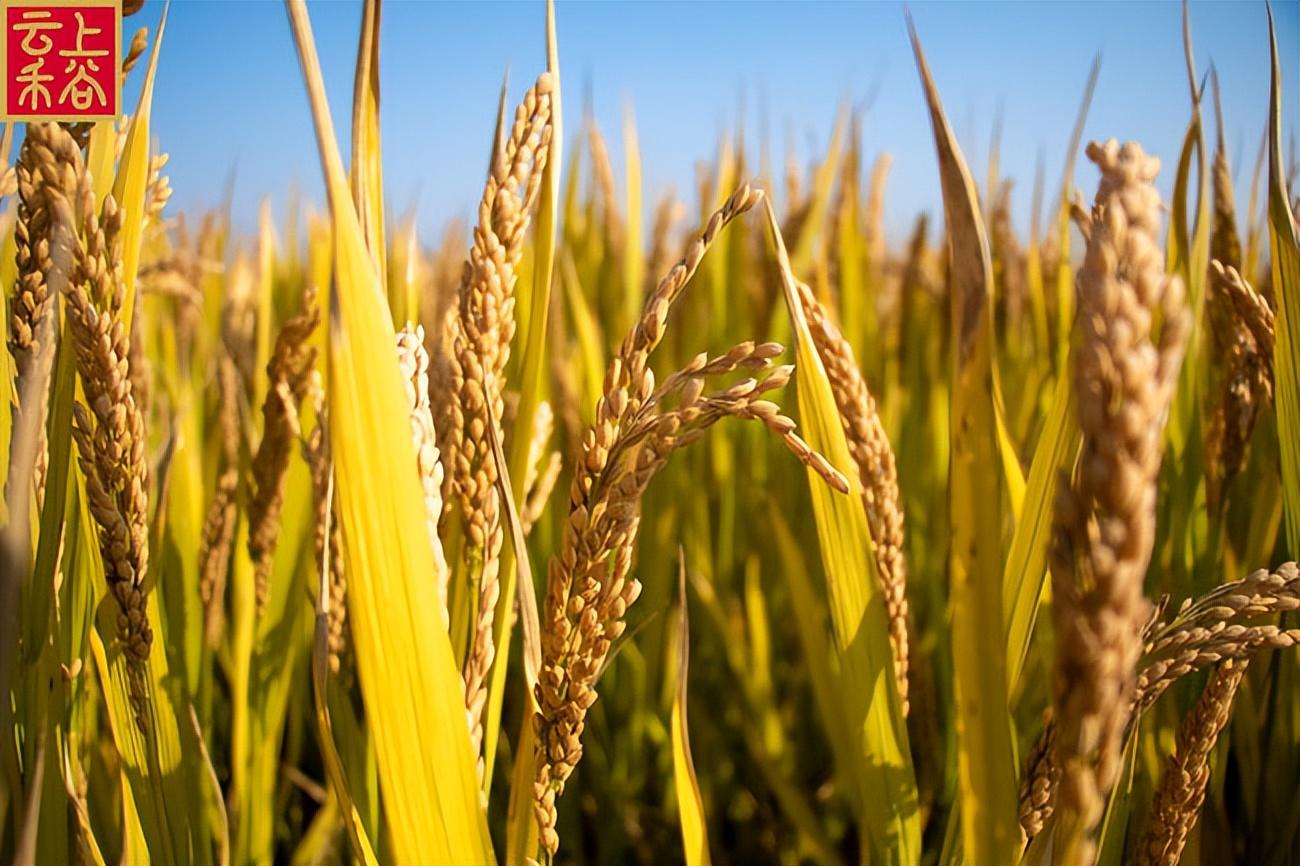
(324, 545)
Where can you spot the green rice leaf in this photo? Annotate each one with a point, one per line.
(881, 781)
(1026, 565)
(367, 176)
(1284, 249)
(690, 806)
(985, 751)
(131, 186)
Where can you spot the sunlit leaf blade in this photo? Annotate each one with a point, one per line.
(162, 782)
(1188, 256)
(521, 825)
(334, 769)
(1026, 565)
(100, 154)
(690, 806)
(881, 782)
(131, 186)
(1284, 249)
(367, 165)
(985, 751)
(409, 683)
(1065, 267)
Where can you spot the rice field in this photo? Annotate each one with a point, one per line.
(604, 530)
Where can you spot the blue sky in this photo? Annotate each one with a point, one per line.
(230, 100)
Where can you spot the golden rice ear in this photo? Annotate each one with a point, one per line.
(532, 307)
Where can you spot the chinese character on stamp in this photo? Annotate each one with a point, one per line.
(59, 59)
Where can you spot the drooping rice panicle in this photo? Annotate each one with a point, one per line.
(1242, 325)
(1176, 805)
(1230, 622)
(218, 534)
(159, 191)
(289, 373)
(1038, 785)
(588, 585)
(217, 543)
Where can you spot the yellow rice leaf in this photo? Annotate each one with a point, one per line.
(164, 786)
(1284, 249)
(521, 824)
(1011, 471)
(986, 770)
(1035, 286)
(856, 292)
(690, 806)
(1065, 266)
(880, 779)
(367, 174)
(1187, 256)
(334, 771)
(404, 278)
(409, 683)
(100, 154)
(132, 182)
(1026, 565)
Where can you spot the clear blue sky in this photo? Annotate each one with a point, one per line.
(230, 97)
